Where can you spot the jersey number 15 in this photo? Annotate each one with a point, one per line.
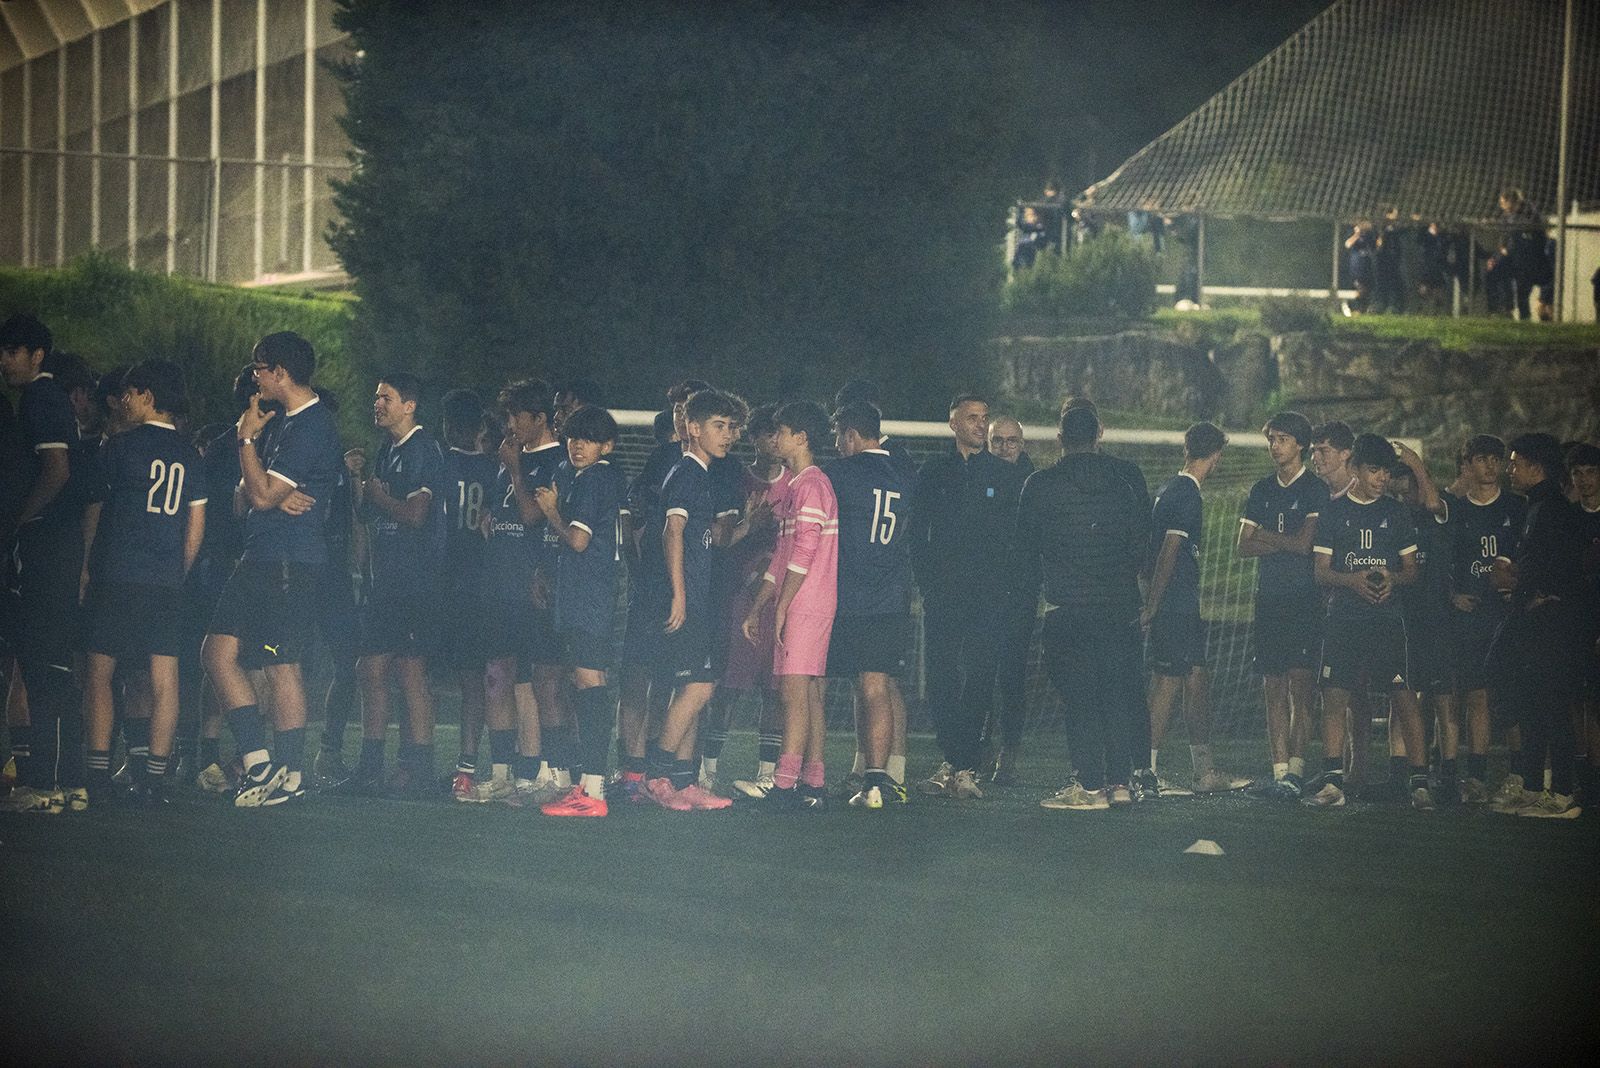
(883, 517)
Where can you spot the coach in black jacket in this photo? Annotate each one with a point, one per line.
(1080, 529)
(965, 505)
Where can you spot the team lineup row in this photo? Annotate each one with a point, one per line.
(498, 553)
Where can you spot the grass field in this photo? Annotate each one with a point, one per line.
(996, 932)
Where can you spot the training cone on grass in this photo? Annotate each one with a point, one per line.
(1205, 847)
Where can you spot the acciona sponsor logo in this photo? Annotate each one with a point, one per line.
(1352, 561)
(1482, 568)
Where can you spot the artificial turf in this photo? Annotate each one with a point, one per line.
(988, 932)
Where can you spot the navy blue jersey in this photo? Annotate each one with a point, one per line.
(1177, 510)
(539, 467)
(644, 493)
(306, 453)
(874, 557)
(224, 530)
(586, 582)
(727, 486)
(687, 492)
(512, 552)
(146, 480)
(1361, 537)
(469, 482)
(1281, 509)
(1425, 600)
(1479, 533)
(902, 460)
(47, 423)
(402, 557)
(340, 528)
(14, 460)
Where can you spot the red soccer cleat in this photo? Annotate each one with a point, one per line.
(576, 803)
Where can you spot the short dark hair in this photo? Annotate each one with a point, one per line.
(585, 390)
(1294, 424)
(1583, 454)
(529, 395)
(1080, 427)
(461, 411)
(858, 389)
(761, 421)
(109, 385)
(1335, 432)
(967, 398)
(805, 417)
(71, 371)
(680, 393)
(705, 404)
(244, 387)
(592, 423)
(26, 332)
(1542, 449)
(1202, 440)
(163, 379)
(291, 352)
(1483, 445)
(408, 385)
(662, 427)
(1074, 400)
(861, 417)
(208, 433)
(1371, 450)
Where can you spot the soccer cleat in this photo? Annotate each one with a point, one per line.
(8, 774)
(1145, 786)
(1005, 767)
(1218, 782)
(1422, 799)
(1474, 792)
(213, 780)
(756, 788)
(811, 799)
(938, 784)
(1289, 788)
(964, 786)
(124, 775)
(541, 791)
(492, 789)
(1074, 798)
(32, 799)
(1551, 806)
(330, 769)
(1510, 794)
(868, 797)
(463, 788)
(1168, 788)
(149, 794)
(285, 793)
(1448, 795)
(1119, 794)
(894, 793)
(701, 801)
(707, 783)
(407, 784)
(576, 803)
(661, 792)
(849, 786)
(76, 798)
(259, 783)
(1328, 796)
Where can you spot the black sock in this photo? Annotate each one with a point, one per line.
(769, 748)
(527, 767)
(137, 734)
(502, 746)
(1333, 768)
(660, 763)
(249, 733)
(422, 761)
(210, 752)
(682, 774)
(466, 765)
(22, 753)
(1447, 769)
(635, 765)
(97, 769)
(155, 768)
(291, 746)
(1478, 766)
(596, 713)
(712, 742)
(1418, 779)
(876, 777)
(1398, 766)
(370, 765)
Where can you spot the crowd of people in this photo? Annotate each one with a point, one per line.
(168, 579)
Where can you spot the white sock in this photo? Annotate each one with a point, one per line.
(524, 784)
(544, 770)
(563, 777)
(859, 765)
(291, 781)
(708, 767)
(1153, 754)
(897, 769)
(594, 786)
(1279, 771)
(500, 772)
(1297, 766)
(1201, 755)
(765, 769)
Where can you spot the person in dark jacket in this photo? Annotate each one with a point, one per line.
(1079, 531)
(1020, 613)
(962, 497)
(1536, 655)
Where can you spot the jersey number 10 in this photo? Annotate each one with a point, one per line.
(883, 517)
(169, 478)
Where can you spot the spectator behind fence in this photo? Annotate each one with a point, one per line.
(1360, 247)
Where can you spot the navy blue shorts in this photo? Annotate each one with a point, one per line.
(1177, 641)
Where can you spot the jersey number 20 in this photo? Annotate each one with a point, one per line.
(171, 478)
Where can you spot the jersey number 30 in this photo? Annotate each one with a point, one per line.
(161, 475)
(883, 517)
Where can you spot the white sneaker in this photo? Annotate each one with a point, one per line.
(1552, 806)
(491, 789)
(1172, 789)
(708, 783)
(213, 780)
(1330, 796)
(1509, 797)
(1074, 798)
(259, 784)
(541, 791)
(32, 799)
(756, 788)
(870, 797)
(938, 784)
(964, 786)
(1119, 794)
(1218, 782)
(1422, 799)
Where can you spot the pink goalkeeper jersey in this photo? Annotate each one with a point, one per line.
(808, 542)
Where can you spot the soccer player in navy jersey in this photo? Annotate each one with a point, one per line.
(1425, 604)
(469, 481)
(1365, 548)
(1481, 525)
(143, 527)
(1277, 527)
(42, 537)
(542, 667)
(261, 619)
(403, 503)
(1176, 634)
(587, 516)
(872, 627)
(678, 601)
